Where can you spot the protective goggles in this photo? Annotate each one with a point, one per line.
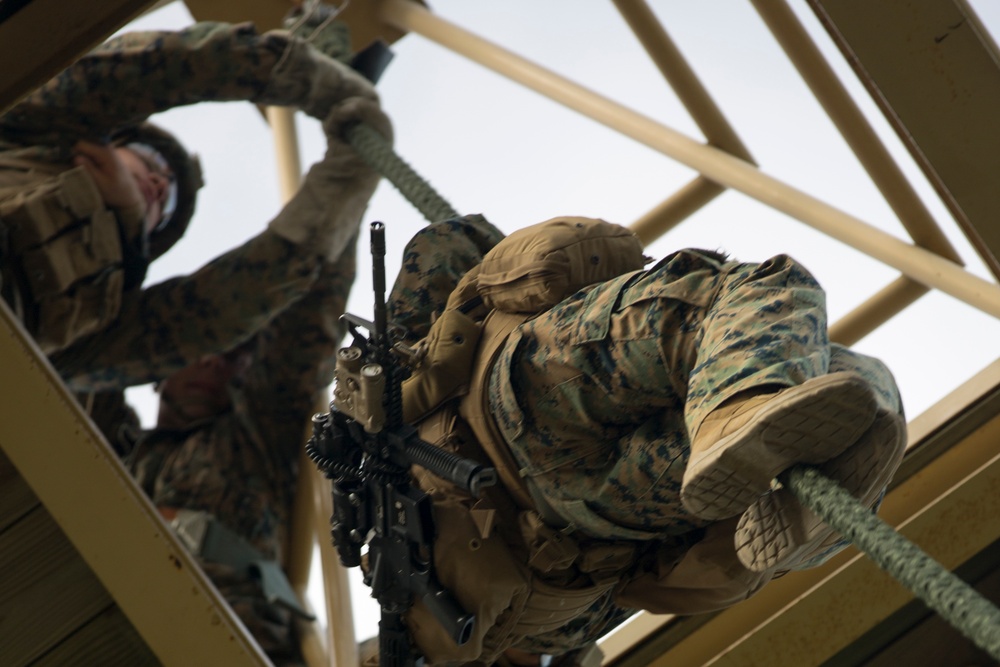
(158, 164)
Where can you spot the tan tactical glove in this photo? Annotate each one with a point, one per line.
(312, 81)
(324, 214)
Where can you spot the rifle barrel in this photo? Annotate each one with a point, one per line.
(465, 473)
(378, 279)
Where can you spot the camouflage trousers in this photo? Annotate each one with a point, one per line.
(597, 396)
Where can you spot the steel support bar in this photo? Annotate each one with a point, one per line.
(703, 109)
(313, 500)
(668, 59)
(675, 209)
(932, 68)
(69, 29)
(339, 611)
(107, 517)
(312, 642)
(314, 646)
(917, 263)
(286, 150)
(854, 127)
(874, 157)
(880, 308)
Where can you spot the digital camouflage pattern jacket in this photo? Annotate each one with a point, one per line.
(242, 466)
(120, 83)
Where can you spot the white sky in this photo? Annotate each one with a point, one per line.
(492, 147)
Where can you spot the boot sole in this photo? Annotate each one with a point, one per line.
(810, 423)
(778, 532)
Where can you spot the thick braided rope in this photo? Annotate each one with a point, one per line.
(956, 602)
(378, 154)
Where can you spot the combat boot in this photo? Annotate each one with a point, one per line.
(742, 445)
(778, 532)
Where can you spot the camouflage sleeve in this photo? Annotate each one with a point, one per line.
(434, 261)
(132, 76)
(169, 325)
(294, 361)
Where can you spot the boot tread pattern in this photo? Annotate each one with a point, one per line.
(777, 531)
(811, 425)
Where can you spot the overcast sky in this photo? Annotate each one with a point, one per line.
(492, 147)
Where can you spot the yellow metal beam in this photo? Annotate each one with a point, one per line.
(361, 15)
(881, 307)
(264, 14)
(854, 127)
(675, 209)
(111, 523)
(933, 69)
(313, 502)
(714, 164)
(699, 103)
(682, 79)
(42, 38)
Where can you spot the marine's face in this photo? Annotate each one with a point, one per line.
(153, 182)
(199, 390)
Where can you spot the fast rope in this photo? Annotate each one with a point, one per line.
(378, 154)
(957, 602)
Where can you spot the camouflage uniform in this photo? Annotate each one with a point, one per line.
(118, 85)
(282, 298)
(242, 466)
(602, 367)
(130, 77)
(596, 397)
(433, 262)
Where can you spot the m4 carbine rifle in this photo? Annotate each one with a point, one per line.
(363, 446)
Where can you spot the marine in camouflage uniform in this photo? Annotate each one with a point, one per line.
(596, 399)
(241, 466)
(120, 84)
(279, 295)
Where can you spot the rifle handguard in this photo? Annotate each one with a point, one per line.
(367, 450)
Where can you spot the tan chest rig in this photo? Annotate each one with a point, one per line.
(497, 555)
(60, 252)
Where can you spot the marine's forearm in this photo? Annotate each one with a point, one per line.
(296, 359)
(171, 324)
(135, 75)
